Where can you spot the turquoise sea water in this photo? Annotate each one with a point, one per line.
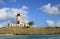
(31, 37)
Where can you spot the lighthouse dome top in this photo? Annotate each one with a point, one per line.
(18, 14)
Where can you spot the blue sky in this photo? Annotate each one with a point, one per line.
(42, 12)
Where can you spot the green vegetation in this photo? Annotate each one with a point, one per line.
(31, 23)
(19, 30)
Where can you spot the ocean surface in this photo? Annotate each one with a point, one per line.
(31, 37)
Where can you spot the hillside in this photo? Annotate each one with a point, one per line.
(19, 30)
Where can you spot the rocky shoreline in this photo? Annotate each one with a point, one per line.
(6, 34)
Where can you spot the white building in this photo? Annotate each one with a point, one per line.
(19, 21)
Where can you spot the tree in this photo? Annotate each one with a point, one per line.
(31, 23)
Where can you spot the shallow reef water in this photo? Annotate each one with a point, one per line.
(31, 37)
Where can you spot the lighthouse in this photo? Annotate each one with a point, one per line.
(19, 20)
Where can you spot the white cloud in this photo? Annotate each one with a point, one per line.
(58, 24)
(51, 9)
(3, 13)
(4, 24)
(10, 13)
(50, 23)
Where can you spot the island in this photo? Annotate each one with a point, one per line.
(21, 28)
(15, 30)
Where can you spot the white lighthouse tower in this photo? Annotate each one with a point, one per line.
(19, 20)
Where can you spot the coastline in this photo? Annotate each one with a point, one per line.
(25, 34)
(28, 34)
(6, 34)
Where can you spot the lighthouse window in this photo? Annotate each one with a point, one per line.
(18, 22)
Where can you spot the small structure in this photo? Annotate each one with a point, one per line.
(19, 23)
(19, 20)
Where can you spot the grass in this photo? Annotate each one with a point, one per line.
(32, 30)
